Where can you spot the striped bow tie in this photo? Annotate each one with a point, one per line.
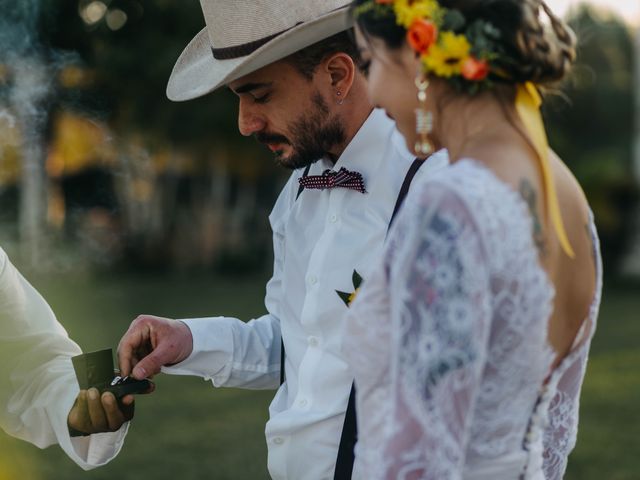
(330, 179)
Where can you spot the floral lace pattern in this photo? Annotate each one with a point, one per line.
(449, 369)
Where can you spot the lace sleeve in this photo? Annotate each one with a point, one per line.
(561, 432)
(441, 306)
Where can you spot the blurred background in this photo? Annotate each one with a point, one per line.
(115, 202)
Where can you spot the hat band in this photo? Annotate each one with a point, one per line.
(237, 51)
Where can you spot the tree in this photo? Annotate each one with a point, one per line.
(110, 60)
(27, 94)
(593, 131)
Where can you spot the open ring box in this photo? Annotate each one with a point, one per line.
(95, 370)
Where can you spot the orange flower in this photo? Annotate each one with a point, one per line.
(474, 69)
(421, 35)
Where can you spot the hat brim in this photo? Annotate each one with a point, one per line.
(197, 72)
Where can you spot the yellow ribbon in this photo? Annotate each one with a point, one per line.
(528, 103)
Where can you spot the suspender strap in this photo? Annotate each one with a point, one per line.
(404, 189)
(344, 462)
(300, 189)
(281, 360)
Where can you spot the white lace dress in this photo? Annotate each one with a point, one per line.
(448, 342)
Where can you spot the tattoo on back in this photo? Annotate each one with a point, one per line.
(529, 195)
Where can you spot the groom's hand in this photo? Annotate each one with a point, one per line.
(152, 342)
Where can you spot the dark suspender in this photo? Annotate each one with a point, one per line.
(349, 437)
(344, 462)
(406, 184)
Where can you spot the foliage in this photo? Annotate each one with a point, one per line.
(133, 64)
(119, 77)
(190, 190)
(593, 131)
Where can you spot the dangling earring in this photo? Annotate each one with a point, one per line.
(424, 118)
(340, 100)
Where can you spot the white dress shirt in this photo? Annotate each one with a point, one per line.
(319, 240)
(37, 382)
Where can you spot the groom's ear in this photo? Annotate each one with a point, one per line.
(341, 71)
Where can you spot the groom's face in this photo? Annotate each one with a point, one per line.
(292, 115)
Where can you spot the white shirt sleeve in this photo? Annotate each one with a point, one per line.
(37, 381)
(232, 353)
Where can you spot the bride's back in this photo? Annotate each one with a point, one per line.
(573, 278)
(540, 299)
(473, 363)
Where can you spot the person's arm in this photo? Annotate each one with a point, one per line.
(441, 309)
(225, 350)
(38, 387)
(561, 432)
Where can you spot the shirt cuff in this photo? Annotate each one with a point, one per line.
(212, 350)
(88, 452)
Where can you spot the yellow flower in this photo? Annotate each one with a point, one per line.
(446, 58)
(407, 11)
(353, 296)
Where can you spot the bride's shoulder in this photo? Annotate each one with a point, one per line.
(467, 181)
(469, 194)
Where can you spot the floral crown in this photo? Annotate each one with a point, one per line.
(449, 46)
(470, 56)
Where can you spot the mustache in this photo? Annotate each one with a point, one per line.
(271, 138)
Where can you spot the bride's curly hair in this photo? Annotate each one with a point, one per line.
(535, 51)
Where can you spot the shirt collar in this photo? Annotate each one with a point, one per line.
(367, 148)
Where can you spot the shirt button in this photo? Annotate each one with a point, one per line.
(302, 402)
(313, 341)
(278, 440)
(313, 279)
(333, 218)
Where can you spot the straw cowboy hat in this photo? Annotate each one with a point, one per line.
(242, 36)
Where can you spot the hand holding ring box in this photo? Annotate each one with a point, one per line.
(95, 370)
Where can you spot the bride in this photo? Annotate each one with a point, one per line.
(469, 343)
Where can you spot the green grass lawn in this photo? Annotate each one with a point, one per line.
(189, 430)
(608, 446)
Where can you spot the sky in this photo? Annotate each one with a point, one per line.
(628, 9)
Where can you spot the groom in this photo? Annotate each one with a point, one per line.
(295, 72)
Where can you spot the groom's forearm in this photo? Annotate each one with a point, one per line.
(232, 353)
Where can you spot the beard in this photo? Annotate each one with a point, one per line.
(313, 135)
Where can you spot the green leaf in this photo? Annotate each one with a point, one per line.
(453, 20)
(356, 279)
(344, 296)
